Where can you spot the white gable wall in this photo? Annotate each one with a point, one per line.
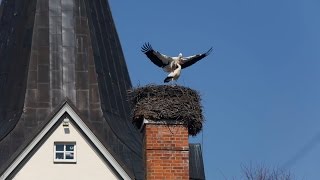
(89, 165)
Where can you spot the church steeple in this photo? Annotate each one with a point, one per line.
(66, 50)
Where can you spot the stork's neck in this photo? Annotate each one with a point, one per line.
(179, 66)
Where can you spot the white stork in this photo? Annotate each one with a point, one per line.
(173, 65)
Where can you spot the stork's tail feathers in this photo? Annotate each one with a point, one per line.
(168, 79)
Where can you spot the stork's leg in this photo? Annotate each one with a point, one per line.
(174, 82)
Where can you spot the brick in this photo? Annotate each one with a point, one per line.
(166, 151)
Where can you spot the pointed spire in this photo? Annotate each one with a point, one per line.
(56, 50)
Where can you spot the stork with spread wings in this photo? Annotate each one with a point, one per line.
(173, 65)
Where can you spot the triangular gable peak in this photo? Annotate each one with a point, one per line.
(65, 151)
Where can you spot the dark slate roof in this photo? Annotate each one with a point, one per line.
(15, 46)
(76, 56)
(196, 167)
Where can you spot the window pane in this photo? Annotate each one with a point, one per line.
(64, 151)
(59, 155)
(59, 147)
(69, 155)
(69, 147)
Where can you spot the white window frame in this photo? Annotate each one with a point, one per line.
(64, 151)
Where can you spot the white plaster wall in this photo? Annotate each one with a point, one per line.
(89, 165)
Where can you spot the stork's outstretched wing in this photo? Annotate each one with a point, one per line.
(157, 58)
(188, 61)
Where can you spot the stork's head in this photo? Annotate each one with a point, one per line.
(180, 55)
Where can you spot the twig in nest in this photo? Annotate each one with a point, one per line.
(164, 102)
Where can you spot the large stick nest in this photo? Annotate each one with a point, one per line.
(165, 102)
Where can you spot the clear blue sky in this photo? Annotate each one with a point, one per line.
(260, 87)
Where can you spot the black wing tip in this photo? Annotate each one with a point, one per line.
(208, 52)
(167, 79)
(146, 47)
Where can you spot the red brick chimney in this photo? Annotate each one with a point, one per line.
(166, 115)
(166, 150)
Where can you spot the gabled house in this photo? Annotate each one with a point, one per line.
(63, 95)
(53, 152)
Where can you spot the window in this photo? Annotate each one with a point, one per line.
(64, 152)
